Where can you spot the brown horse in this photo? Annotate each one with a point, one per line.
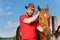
(18, 36)
(44, 20)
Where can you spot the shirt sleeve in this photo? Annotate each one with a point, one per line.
(22, 18)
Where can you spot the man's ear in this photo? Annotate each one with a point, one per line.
(47, 8)
(39, 8)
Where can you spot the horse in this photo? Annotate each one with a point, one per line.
(18, 35)
(44, 20)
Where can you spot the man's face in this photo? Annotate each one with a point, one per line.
(30, 11)
(59, 30)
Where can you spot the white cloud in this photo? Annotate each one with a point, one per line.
(9, 13)
(7, 34)
(8, 7)
(4, 11)
(11, 24)
(1, 9)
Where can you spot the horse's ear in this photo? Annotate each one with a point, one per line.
(39, 8)
(47, 7)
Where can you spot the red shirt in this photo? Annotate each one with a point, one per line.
(28, 30)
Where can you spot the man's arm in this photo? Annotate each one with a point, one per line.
(31, 19)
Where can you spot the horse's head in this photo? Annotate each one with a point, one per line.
(44, 18)
(44, 15)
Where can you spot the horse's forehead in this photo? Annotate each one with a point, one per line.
(45, 14)
(43, 10)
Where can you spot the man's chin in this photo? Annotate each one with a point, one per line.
(30, 15)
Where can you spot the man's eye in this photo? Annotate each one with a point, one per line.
(32, 9)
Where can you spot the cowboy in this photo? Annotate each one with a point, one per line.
(29, 23)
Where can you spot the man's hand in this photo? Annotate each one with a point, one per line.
(40, 28)
(38, 13)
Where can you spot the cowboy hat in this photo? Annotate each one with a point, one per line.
(30, 5)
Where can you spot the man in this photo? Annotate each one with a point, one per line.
(29, 23)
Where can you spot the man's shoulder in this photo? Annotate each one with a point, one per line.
(23, 15)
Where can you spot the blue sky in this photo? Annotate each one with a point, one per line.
(10, 10)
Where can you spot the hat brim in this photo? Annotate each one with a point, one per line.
(26, 7)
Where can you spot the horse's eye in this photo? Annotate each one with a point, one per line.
(40, 18)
